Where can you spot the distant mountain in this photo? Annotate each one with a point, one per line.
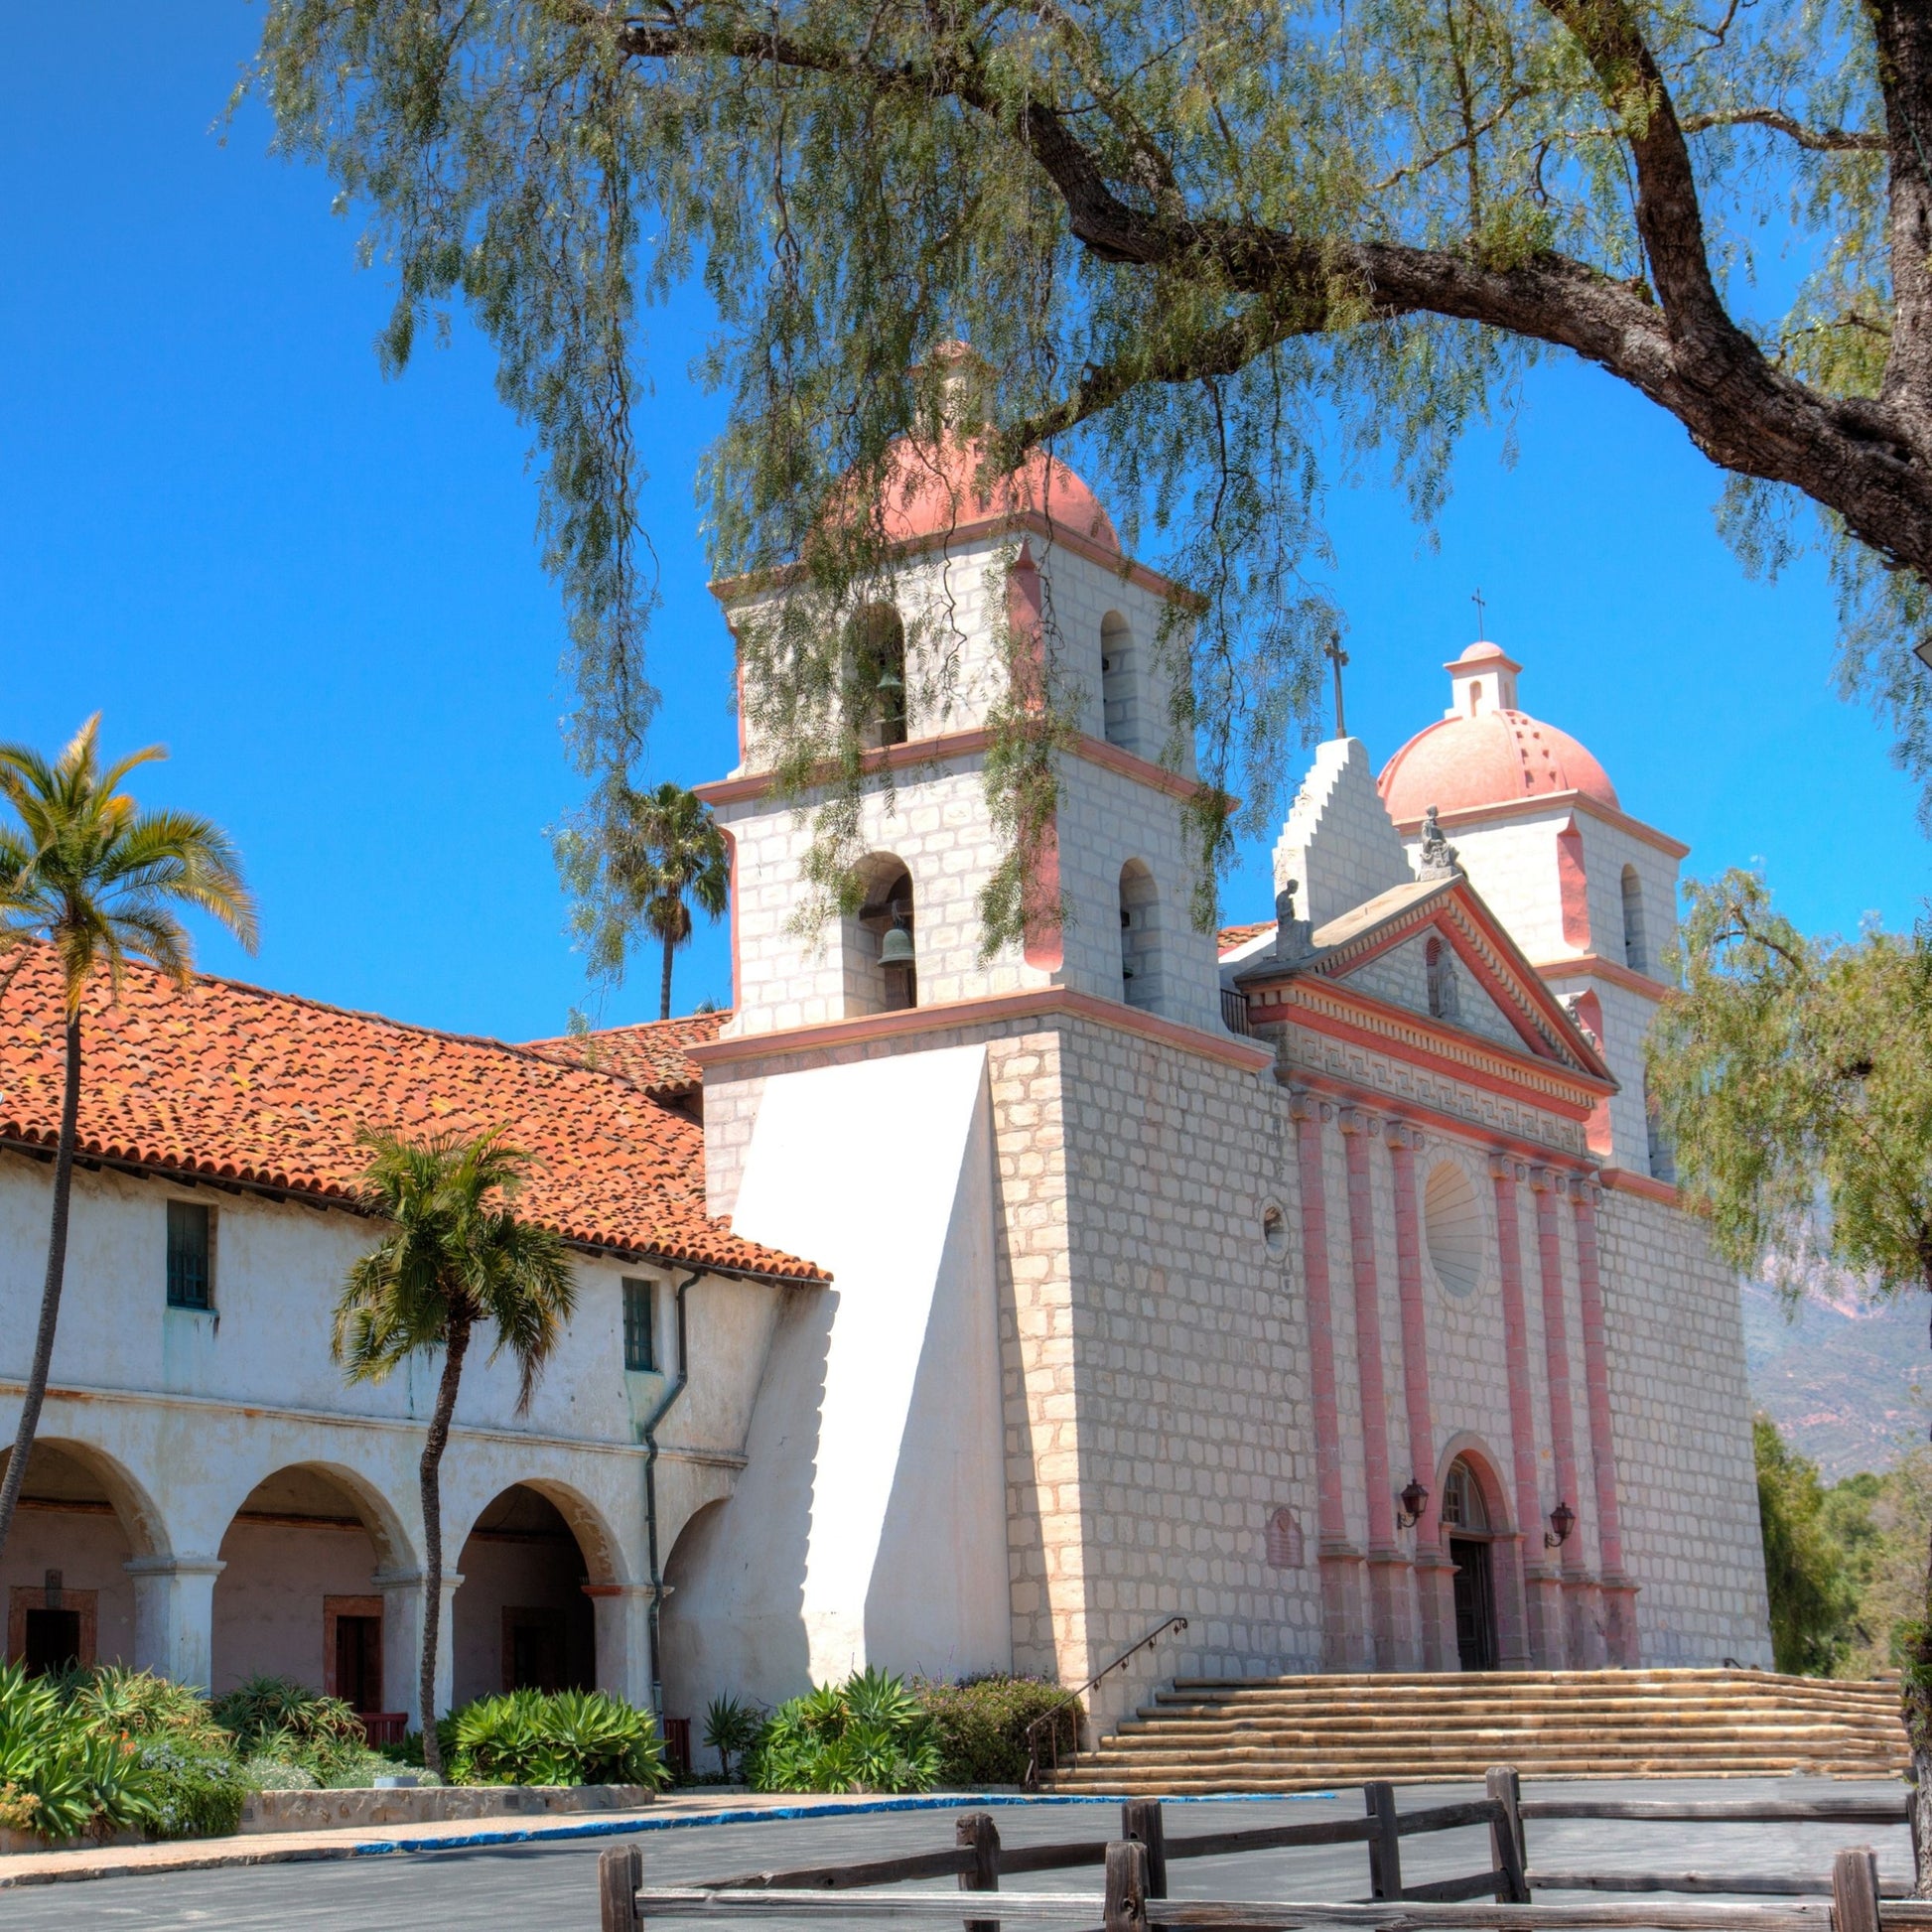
(1848, 1384)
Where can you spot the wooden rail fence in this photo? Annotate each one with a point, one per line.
(1135, 1868)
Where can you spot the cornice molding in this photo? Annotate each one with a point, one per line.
(942, 747)
(1470, 816)
(994, 1009)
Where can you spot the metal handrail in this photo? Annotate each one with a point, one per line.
(1049, 1721)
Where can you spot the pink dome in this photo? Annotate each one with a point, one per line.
(935, 492)
(1492, 759)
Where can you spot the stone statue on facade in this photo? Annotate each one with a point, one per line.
(1438, 859)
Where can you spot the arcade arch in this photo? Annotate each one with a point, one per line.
(80, 1519)
(297, 1596)
(522, 1617)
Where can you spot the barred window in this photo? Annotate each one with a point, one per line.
(640, 1326)
(190, 1271)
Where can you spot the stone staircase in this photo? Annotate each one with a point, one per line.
(1302, 1733)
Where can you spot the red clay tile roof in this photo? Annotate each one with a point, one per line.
(651, 1056)
(231, 1081)
(1232, 936)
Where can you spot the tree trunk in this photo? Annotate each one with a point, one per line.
(432, 1473)
(56, 1267)
(1916, 1691)
(664, 1000)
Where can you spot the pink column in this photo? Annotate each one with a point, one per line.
(1435, 1573)
(1539, 1586)
(1342, 1626)
(1548, 1188)
(1620, 1592)
(1383, 1555)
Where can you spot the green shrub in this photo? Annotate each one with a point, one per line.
(980, 1726)
(278, 1719)
(554, 1738)
(195, 1794)
(867, 1733)
(59, 1775)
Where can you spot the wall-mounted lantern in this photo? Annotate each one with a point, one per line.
(1415, 1499)
(1562, 1519)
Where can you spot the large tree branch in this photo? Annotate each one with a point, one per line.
(1820, 140)
(1669, 223)
(1687, 354)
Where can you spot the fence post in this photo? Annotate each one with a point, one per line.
(1509, 1852)
(977, 1833)
(1855, 1890)
(1126, 1902)
(1140, 1820)
(619, 1872)
(1384, 1848)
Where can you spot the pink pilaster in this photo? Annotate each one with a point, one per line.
(1342, 1625)
(1384, 1558)
(1620, 1592)
(1540, 1587)
(1435, 1573)
(1548, 1188)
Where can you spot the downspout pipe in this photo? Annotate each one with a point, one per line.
(649, 1434)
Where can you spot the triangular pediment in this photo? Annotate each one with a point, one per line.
(1391, 948)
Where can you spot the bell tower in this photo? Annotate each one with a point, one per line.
(1035, 557)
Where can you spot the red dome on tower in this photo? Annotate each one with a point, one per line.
(935, 490)
(1487, 752)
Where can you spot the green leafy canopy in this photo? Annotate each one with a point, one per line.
(1223, 253)
(1795, 1078)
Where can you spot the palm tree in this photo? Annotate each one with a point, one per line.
(456, 1256)
(668, 855)
(96, 877)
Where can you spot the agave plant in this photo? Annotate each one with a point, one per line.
(75, 1775)
(559, 1738)
(867, 1733)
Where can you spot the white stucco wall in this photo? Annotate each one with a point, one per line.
(870, 1525)
(183, 1415)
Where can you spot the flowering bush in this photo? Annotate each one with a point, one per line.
(61, 1774)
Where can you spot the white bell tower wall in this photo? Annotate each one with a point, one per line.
(1125, 867)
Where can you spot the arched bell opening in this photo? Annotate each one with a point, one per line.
(1140, 959)
(881, 940)
(876, 661)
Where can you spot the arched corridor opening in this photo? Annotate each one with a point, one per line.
(69, 1598)
(522, 1618)
(297, 1596)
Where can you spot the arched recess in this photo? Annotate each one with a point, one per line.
(522, 1617)
(66, 1594)
(297, 1594)
(1636, 942)
(880, 942)
(1140, 952)
(1119, 683)
(876, 655)
(1478, 1539)
(699, 1644)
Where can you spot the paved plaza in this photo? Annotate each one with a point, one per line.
(551, 1887)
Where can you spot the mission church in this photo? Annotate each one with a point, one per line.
(1325, 1285)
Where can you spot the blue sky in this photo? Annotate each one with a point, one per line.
(220, 526)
